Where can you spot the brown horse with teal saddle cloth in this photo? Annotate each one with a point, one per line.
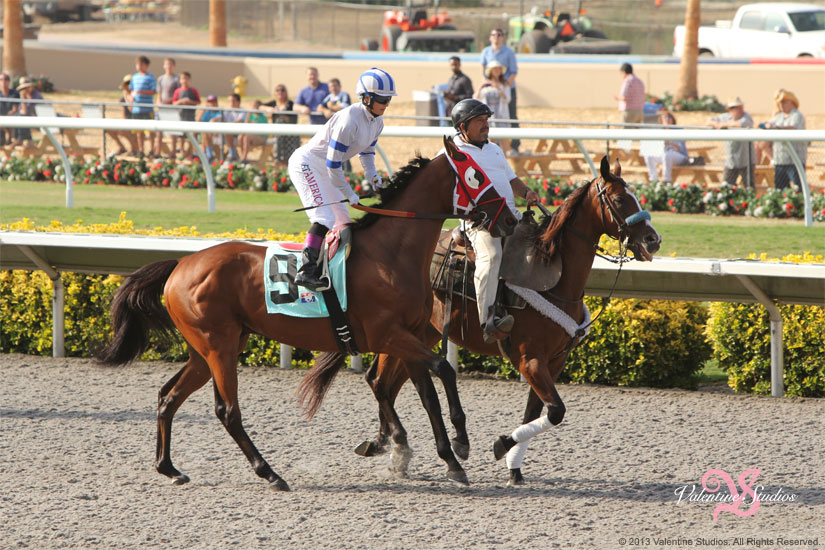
(538, 344)
(215, 298)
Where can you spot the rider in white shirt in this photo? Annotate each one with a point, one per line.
(470, 118)
(316, 168)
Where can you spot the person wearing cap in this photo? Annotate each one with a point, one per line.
(740, 156)
(498, 51)
(27, 89)
(129, 135)
(495, 93)
(315, 169)
(470, 118)
(788, 117)
(7, 108)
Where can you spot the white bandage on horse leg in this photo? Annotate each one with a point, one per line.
(531, 429)
(515, 456)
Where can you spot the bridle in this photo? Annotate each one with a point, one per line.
(605, 202)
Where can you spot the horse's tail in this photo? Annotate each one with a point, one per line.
(136, 310)
(317, 381)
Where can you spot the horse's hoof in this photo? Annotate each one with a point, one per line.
(368, 448)
(461, 449)
(279, 485)
(516, 479)
(459, 476)
(502, 445)
(181, 479)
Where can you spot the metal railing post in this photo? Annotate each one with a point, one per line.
(777, 359)
(207, 168)
(803, 183)
(67, 168)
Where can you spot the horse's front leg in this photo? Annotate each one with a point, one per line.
(542, 382)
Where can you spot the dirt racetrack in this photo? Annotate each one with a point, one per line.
(77, 445)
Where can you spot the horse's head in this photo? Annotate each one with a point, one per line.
(622, 216)
(477, 195)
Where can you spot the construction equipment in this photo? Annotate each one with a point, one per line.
(552, 32)
(413, 30)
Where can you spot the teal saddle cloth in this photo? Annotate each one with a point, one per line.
(281, 263)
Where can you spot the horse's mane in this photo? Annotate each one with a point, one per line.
(399, 181)
(548, 236)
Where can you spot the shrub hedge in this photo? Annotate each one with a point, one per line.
(633, 343)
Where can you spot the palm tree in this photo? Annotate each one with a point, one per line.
(14, 62)
(690, 53)
(217, 23)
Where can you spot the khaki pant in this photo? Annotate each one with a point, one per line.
(488, 264)
(633, 116)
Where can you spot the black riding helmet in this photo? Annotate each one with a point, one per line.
(466, 110)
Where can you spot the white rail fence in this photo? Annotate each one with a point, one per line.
(49, 124)
(767, 283)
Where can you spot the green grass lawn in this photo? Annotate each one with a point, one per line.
(684, 235)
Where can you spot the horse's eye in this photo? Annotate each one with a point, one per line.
(618, 201)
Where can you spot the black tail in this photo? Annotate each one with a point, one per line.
(137, 310)
(317, 381)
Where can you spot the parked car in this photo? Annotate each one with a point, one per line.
(61, 10)
(763, 30)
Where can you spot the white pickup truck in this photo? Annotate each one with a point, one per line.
(776, 30)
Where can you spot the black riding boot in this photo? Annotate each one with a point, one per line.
(310, 274)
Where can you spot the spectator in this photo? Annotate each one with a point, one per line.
(459, 86)
(497, 51)
(233, 115)
(335, 100)
(675, 154)
(168, 83)
(248, 141)
(128, 135)
(311, 97)
(186, 95)
(23, 136)
(7, 108)
(143, 86)
(788, 118)
(739, 155)
(495, 93)
(208, 115)
(284, 145)
(631, 96)
(764, 149)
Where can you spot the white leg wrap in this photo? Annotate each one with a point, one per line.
(532, 429)
(515, 456)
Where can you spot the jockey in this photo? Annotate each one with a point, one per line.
(470, 118)
(316, 172)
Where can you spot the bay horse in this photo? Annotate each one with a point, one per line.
(537, 345)
(215, 298)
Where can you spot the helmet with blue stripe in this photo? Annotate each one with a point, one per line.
(375, 82)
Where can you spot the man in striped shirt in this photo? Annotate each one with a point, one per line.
(143, 86)
(631, 96)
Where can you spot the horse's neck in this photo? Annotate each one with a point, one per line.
(577, 252)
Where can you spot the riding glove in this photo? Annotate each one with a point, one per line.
(374, 179)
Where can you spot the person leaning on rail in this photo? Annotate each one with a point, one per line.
(316, 168)
(470, 118)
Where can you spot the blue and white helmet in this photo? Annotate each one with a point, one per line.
(375, 82)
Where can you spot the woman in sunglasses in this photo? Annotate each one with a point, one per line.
(316, 168)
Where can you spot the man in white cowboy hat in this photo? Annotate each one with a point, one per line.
(27, 90)
(739, 155)
(788, 118)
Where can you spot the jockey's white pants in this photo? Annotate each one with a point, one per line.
(310, 176)
(488, 264)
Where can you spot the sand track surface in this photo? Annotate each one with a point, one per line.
(77, 444)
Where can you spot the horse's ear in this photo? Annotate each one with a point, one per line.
(617, 168)
(452, 150)
(604, 168)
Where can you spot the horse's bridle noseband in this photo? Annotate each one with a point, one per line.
(616, 217)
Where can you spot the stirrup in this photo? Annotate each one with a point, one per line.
(498, 329)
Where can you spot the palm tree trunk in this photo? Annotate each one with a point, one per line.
(217, 23)
(688, 66)
(14, 62)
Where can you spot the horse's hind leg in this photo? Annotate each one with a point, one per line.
(224, 367)
(385, 378)
(171, 396)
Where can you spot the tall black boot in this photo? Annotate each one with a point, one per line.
(310, 274)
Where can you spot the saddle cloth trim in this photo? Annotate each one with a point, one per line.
(552, 312)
